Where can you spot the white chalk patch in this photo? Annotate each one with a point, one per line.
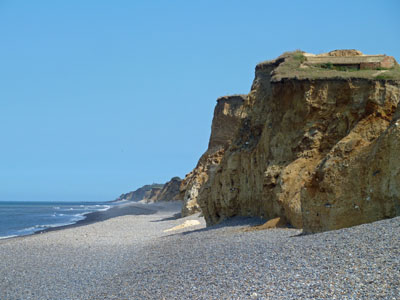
(185, 224)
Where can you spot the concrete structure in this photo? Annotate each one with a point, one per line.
(351, 59)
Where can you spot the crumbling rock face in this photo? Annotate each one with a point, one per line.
(155, 192)
(227, 116)
(145, 192)
(170, 191)
(323, 153)
(359, 179)
(152, 195)
(195, 180)
(344, 52)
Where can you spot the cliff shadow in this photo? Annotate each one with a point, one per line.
(230, 223)
(174, 217)
(242, 223)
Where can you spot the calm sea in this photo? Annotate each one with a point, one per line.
(24, 218)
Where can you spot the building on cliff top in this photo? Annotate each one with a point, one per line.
(351, 59)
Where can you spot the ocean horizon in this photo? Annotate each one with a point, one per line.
(20, 218)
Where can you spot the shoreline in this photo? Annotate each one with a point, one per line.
(152, 255)
(118, 210)
(124, 209)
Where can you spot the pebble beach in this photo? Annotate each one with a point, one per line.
(146, 252)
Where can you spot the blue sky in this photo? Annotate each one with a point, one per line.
(100, 97)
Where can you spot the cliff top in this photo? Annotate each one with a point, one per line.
(335, 64)
(234, 96)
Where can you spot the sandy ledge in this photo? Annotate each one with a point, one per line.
(132, 256)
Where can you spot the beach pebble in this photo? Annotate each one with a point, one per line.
(132, 257)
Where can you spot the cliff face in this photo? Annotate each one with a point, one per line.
(323, 153)
(155, 192)
(170, 190)
(359, 179)
(227, 116)
(144, 193)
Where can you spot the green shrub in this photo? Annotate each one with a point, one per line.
(299, 56)
(327, 65)
(383, 77)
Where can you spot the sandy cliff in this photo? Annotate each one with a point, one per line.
(155, 192)
(318, 147)
(170, 190)
(227, 116)
(145, 192)
(358, 181)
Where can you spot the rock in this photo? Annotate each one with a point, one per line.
(359, 180)
(187, 223)
(320, 152)
(226, 120)
(152, 195)
(279, 222)
(155, 192)
(345, 52)
(170, 190)
(143, 193)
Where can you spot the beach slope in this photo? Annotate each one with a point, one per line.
(139, 257)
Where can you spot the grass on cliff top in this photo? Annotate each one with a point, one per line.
(293, 67)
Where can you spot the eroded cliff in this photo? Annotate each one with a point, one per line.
(358, 181)
(226, 120)
(143, 193)
(170, 190)
(155, 192)
(319, 150)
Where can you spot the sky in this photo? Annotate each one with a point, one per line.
(98, 98)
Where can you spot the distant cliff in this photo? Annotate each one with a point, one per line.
(155, 192)
(170, 190)
(145, 192)
(226, 121)
(317, 144)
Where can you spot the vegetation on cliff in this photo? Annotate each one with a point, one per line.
(293, 65)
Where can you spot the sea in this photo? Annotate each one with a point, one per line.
(19, 218)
